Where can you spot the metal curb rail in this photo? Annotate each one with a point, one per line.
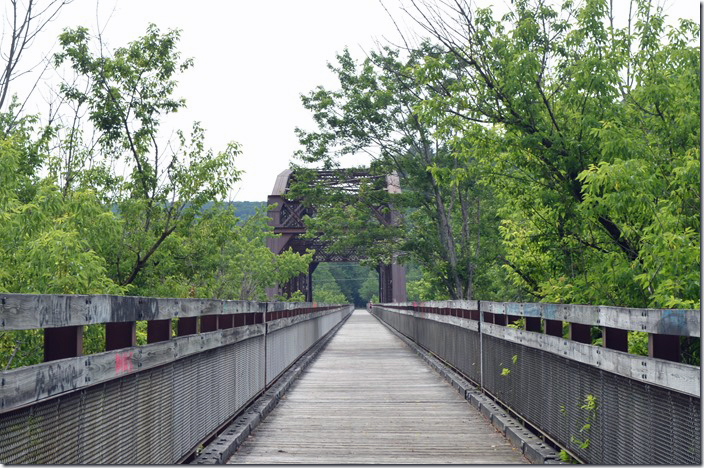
(532, 447)
(232, 437)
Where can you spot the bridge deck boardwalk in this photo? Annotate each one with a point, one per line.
(369, 399)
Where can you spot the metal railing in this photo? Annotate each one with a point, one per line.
(600, 403)
(151, 404)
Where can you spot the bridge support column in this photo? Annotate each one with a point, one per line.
(309, 291)
(392, 283)
(299, 283)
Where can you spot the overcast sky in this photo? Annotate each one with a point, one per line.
(252, 61)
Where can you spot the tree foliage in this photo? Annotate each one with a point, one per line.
(95, 202)
(594, 131)
(374, 111)
(577, 139)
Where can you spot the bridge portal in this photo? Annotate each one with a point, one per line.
(287, 220)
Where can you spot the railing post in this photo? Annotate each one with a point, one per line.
(533, 324)
(187, 326)
(63, 342)
(266, 326)
(158, 330)
(120, 335)
(208, 323)
(553, 327)
(614, 338)
(580, 333)
(481, 345)
(664, 347)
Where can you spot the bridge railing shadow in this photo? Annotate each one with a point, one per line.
(565, 371)
(150, 404)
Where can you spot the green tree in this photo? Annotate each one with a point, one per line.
(591, 136)
(325, 286)
(126, 96)
(369, 289)
(373, 112)
(221, 256)
(72, 225)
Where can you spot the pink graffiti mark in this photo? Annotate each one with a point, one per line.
(123, 363)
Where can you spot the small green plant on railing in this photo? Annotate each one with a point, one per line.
(519, 324)
(590, 406)
(506, 371)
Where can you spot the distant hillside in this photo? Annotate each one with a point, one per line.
(246, 209)
(243, 209)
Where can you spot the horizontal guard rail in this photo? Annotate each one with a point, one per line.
(32, 384)
(33, 311)
(671, 375)
(600, 403)
(680, 322)
(150, 404)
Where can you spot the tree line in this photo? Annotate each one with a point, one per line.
(548, 154)
(94, 199)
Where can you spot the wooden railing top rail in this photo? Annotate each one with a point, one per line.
(661, 371)
(31, 384)
(33, 311)
(679, 322)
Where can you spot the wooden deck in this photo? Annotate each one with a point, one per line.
(369, 399)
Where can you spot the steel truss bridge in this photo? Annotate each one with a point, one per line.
(287, 220)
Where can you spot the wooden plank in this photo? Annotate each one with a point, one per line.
(28, 385)
(369, 399)
(671, 375)
(29, 311)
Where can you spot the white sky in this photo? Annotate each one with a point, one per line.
(252, 61)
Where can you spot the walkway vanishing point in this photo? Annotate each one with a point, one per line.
(368, 398)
